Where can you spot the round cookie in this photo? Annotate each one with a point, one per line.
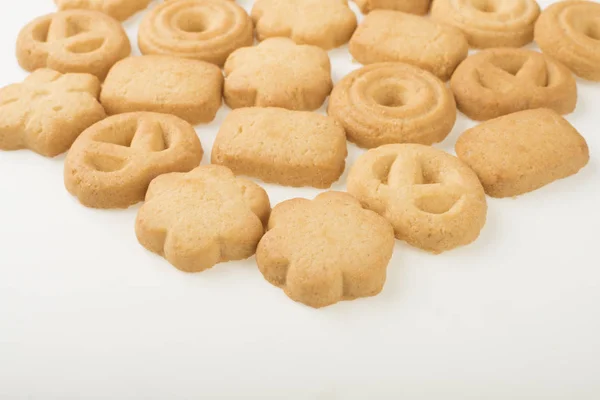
(419, 7)
(393, 103)
(433, 200)
(73, 41)
(118, 9)
(497, 82)
(570, 32)
(386, 35)
(324, 23)
(490, 23)
(207, 30)
(325, 250)
(111, 163)
(278, 73)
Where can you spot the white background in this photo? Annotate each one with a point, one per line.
(86, 312)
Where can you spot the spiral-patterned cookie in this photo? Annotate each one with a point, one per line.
(393, 103)
(570, 32)
(490, 23)
(207, 30)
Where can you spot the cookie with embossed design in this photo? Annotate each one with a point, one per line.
(118, 9)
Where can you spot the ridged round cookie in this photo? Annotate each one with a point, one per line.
(419, 7)
(570, 32)
(73, 41)
(393, 103)
(497, 82)
(490, 23)
(207, 30)
(278, 73)
(324, 23)
(111, 163)
(433, 200)
(118, 9)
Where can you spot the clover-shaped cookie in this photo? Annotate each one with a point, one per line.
(325, 250)
(47, 111)
(324, 23)
(433, 200)
(119, 9)
(200, 218)
(112, 163)
(278, 73)
(73, 41)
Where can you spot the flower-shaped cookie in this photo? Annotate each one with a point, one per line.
(48, 111)
(278, 73)
(325, 250)
(324, 23)
(119, 9)
(200, 218)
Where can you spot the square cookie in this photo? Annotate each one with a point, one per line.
(292, 148)
(523, 151)
(189, 89)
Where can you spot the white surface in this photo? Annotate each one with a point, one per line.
(86, 312)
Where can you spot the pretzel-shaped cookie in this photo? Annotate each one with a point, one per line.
(497, 82)
(112, 163)
(570, 32)
(73, 41)
(393, 103)
(490, 23)
(118, 9)
(47, 111)
(207, 30)
(433, 200)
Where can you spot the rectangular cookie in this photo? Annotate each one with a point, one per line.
(291, 148)
(523, 151)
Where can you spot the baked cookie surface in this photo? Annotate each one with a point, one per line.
(278, 73)
(386, 35)
(570, 32)
(419, 7)
(73, 41)
(112, 162)
(393, 103)
(292, 148)
(521, 152)
(200, 218)
(324, 23)
(206, 30)
(47, 111)
(497, 82)
(325, 250)
(433, 200)
(189, 89)
(490, 23)
(118, 9)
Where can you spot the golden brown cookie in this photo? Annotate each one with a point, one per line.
(324, 23)
(433, 200)
(325, 250)
(278, 73)
(112, 163)
(570, 32)
(48, 111)
(189, 89)
(119, 9)
(393, 103)
(419, 7)
(207, 30)
(200, 218)
(490, 23)
(497, 82)
(386, 35)
(521, 152)
(73, 41)
(292, 148)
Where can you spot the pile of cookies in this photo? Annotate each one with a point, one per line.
(127, 123)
